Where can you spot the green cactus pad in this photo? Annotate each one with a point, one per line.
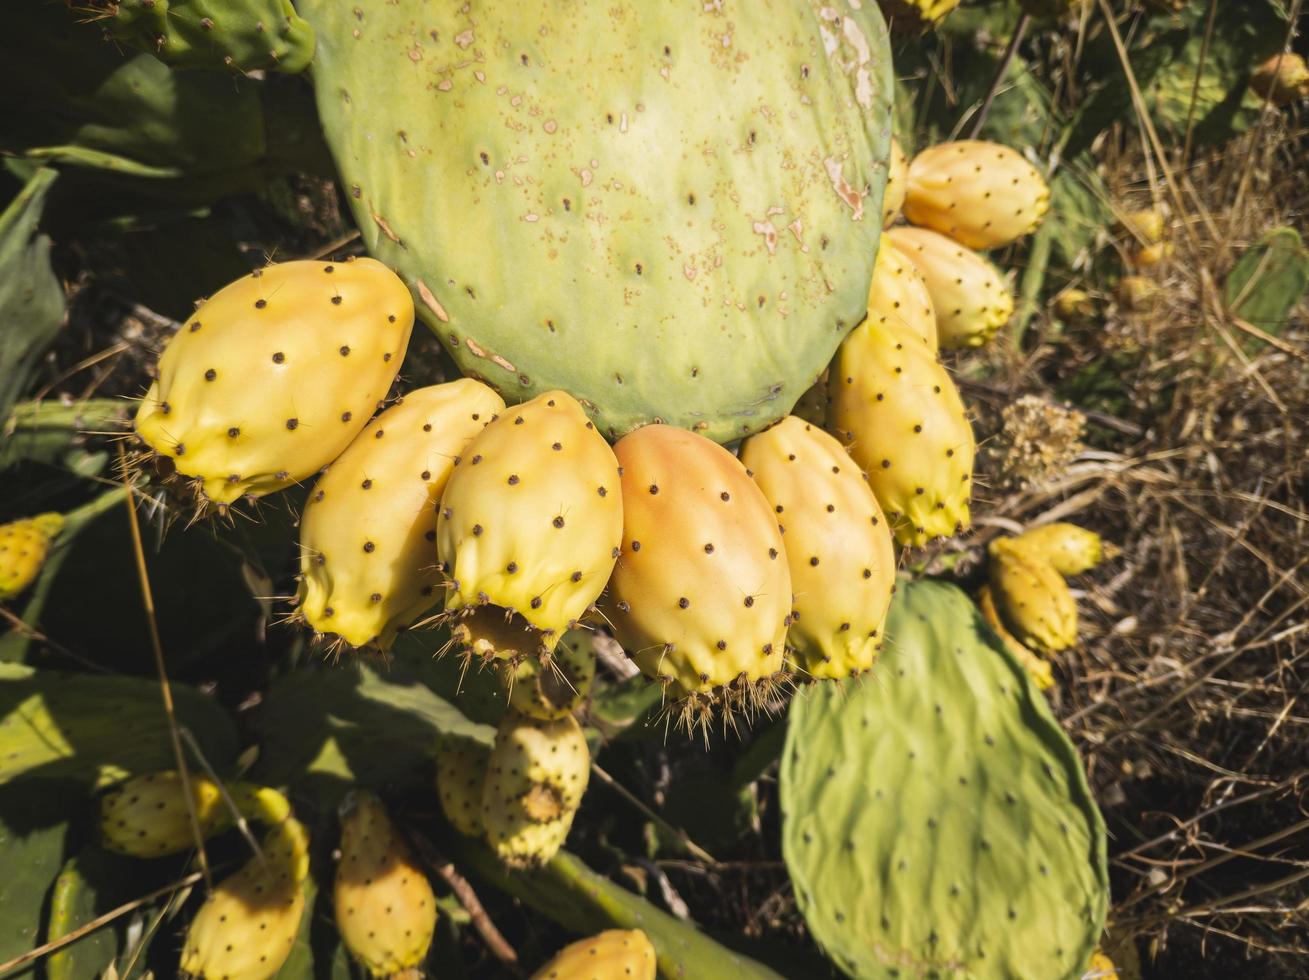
(671, 210)
(240, 35)
(1269, 280)
(936, 820)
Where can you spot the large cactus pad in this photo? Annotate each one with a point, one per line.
(669, 209)
(936, 821)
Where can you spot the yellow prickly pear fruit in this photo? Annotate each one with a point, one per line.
(1074, 305)
(460, 772)
(555, 684)
(368, 536)
(1282, 78)
(23, 547)
(701, 597)
(982, 194)
(536, 775)
(614, 953)
(275, 374)
(247, 926)
(1136, 293)
(147, 816)
(969, 295)
(897, 175)
(385, 909)
(1101, 967)
(1072, 550)
(1146, 226)
(906, 16)
(898, 413)
(838, 546)
(1151, 255)
(1039, 669)
(529, 528)
(898, 294)
(1032, 599)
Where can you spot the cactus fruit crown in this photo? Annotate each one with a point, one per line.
(528, 529)
(273, 377)
(616, 953)
(660, 254)
(555, 684)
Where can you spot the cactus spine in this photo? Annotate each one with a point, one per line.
(367, 540)
(838, 546)
(385, 908)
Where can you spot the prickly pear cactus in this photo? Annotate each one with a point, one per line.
(242, 35)
(274, 375)
(838, 546)
(147, 816)
(1281, 79)
(899, 295)
(367, 539)
(900, 416)
(897, 178)
(1032, 598)
(938, 823)
(535, 778)
(554, 685)
(969, 295)
(529, 528)
(1040, 670)
(915, 15)
(461, 766)
(1072, 550)
(615, 232)
(701, 597)
(23, 547)
(385, 909)
(982, 194)
(248, 925)
(1269, 281)
(613, 953)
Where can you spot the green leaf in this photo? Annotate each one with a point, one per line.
(31, 297)
(94, 729)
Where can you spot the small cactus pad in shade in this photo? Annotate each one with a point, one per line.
(937, 822)
(900, 416)
(1031, 597)
(554, 685)
(617, 954)
(969, 295)
(528, 529)
(981, 194)
(247, 926)
(368, 535)
(23, 547)
(701, 597)
(239, 35)
(536, 775)
(385, 909)
(616, 232)
(461, 765)
(272, 377)
(838, 546)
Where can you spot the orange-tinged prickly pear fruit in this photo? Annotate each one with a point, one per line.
(385, 909)
(368, 562)
(983, 195)
(898, 413)
(23, 547)
(701, 596)
(556, 683)
(535, 779)
(969, 295)
(898, 294)
(247, 926)
(897, 178)
(274, 375)
(1031, 598)
(529, 528)
(147, 816)
(838, 546)
(1039, 669)
(461, 765)
(1282, 78)
(1072, 550)
(615, 953)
